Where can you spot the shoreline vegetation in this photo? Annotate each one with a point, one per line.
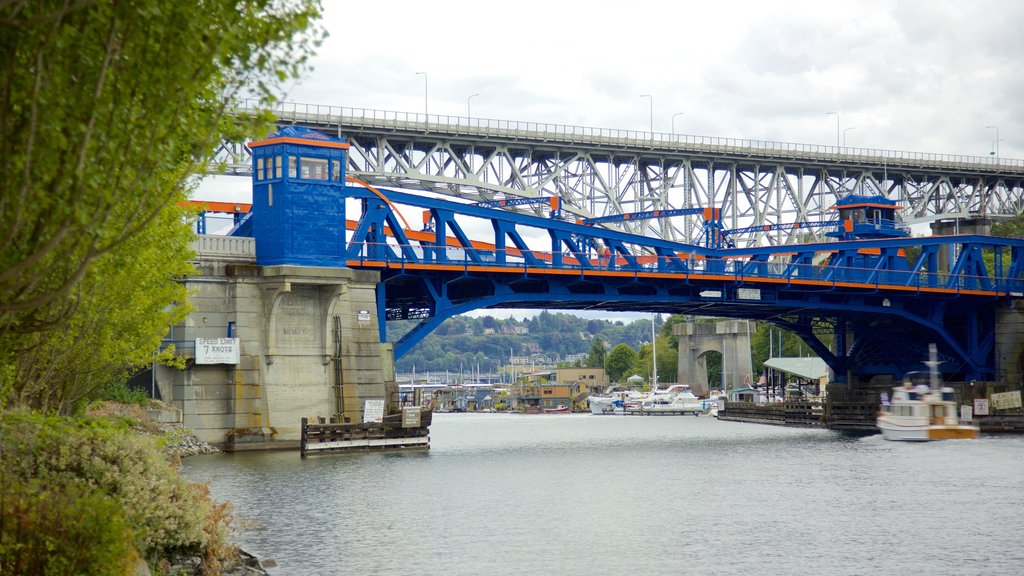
(101, 494)
(113, 109)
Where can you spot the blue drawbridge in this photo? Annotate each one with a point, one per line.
(868, 302)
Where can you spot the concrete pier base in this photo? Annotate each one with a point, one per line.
(308, 344)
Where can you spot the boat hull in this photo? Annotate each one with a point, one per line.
(926, 433)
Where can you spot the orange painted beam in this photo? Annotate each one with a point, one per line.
(225, 207)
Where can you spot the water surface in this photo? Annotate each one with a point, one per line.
(593, 495)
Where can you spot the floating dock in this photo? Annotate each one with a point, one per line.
(401, 431)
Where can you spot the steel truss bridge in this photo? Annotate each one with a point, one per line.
(759, 186)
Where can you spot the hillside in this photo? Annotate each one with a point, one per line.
(489, 343)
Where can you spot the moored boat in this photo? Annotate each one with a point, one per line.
(676, 399)
(923, 412)
(615, 401)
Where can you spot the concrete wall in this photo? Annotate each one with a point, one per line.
(289, 365)
(1009, 350)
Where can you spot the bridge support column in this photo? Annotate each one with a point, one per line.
(1009, 349)
(978, 225)
(308, 346)
(731, 338)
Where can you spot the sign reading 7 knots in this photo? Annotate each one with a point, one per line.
(216, 350)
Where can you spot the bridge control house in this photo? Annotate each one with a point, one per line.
(281, 329)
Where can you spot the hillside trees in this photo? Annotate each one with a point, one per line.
(107, 109)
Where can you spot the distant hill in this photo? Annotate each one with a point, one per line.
(489, 343)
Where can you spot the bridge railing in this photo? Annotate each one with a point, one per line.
(739, 270)
(323, 115)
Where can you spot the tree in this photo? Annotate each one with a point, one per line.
(121, 312)
(597, 353)
(95, 151)
(621, 360)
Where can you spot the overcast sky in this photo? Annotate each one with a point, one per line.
(923, 76)
(926, 76)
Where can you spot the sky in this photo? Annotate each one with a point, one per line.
(935, 76)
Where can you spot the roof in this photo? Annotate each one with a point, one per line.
(809, 368)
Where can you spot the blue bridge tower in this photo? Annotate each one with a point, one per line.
(298, 206)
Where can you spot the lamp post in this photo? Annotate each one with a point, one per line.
(426, 111)
(995, 143)
(674, 121)
(845, 130)
(469, 113)
(837, 126)
(652, 111)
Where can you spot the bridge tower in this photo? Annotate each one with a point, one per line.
(298, 209)
(301, 325)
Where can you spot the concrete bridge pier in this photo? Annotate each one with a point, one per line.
(731, 338)
(307, 346)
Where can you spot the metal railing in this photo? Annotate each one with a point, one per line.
(740, 270)
(570, 134)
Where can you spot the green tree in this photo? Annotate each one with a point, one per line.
(95, 149)
(1013, 228)
(120, 315)
(620, 361)
(597, 353)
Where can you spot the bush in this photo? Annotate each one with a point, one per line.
(63, 530)
(121, 392)
(98, 460)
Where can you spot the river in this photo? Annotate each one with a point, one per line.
(595, 495)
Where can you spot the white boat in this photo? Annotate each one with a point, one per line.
(676, 399)
(923, 412)
(615, 401)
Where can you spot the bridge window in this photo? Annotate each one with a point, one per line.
(313, 168)
(259, 169)
(293, 167)
(277, 167)
(336, 170)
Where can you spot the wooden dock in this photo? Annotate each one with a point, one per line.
(797, 413)
(394, 433)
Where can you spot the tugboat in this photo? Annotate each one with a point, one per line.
(923, 412)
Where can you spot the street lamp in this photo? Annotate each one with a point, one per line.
(469, 113)
(995, 144)
(426, 112)
(845, 130)
(652, 111)
(837, 125)
(674, 121)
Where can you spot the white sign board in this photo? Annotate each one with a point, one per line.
(373, 411)
(966, 412)
(981, 406)
(748, 293)
(217, 350)
(1006, 400)
(411, 417)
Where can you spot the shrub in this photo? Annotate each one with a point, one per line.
(121, 392)
(63, 530)
(100, 459)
